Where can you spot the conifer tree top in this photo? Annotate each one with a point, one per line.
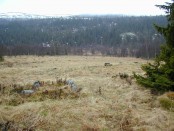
(168, 32)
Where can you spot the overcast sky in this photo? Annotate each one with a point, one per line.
(75, 7)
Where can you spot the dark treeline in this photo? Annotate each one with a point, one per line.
(82, 35)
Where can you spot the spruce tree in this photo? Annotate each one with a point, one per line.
(160, 74)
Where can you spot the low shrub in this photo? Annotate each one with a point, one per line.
(167, 103)
(1, 58)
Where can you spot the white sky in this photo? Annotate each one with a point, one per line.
(74, 7)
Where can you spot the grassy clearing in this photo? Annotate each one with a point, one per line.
(106, 102)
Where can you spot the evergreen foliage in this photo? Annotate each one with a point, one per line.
(1, 58)
(111, 35)
(81, 31)
(160, 74)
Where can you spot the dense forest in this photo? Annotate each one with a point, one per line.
(82, 35)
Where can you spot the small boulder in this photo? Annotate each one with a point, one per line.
(36, 85)
(27, 92)
(73, 86)
(107, 64)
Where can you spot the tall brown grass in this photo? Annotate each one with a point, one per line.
(104, 103)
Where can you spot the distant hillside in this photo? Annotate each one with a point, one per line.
(82, 31)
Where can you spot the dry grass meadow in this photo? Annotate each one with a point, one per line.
(105, 103)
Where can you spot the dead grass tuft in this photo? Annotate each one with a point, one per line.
(170, 95)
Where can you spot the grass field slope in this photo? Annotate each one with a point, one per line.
(109, 99)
